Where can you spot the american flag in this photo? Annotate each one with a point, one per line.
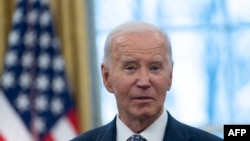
(35, 100)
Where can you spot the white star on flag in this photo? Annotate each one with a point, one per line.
(8, 79)
(14, 37)
(45, 39)
(18, 15)
(22, 102)
(11, 58)
(25, 80)
(43, 61)
(27, 60)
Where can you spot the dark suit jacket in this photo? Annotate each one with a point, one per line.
(175, 131)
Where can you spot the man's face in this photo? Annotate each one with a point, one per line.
(139, 75)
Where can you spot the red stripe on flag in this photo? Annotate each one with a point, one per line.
(72, 116)
(1, 138)
(48, 137)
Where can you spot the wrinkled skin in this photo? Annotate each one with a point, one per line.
(140, 74)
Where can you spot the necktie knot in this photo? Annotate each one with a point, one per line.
(136, 138)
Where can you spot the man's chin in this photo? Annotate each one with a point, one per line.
(144, 114)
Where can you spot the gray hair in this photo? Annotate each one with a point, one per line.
(130, 27)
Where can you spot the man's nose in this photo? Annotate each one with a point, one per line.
(143, 79)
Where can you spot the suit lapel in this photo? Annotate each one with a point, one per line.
(171, 131)
(109, 133)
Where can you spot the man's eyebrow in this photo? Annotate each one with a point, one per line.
(127, 59)
(157, 60)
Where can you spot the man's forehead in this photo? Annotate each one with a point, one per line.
(133, 50)
(133, 58)
(138, 42)
(128, 58)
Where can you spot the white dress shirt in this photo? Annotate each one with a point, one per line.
(155, 132)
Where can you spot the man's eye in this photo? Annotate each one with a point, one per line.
(155, 68)
(129, 68)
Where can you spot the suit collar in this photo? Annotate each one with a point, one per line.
(110, 132)
(172, 131)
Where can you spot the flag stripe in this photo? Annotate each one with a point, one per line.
(72, 116)
(62, 127)
(1, 138)
(48, 137)
(11, 123)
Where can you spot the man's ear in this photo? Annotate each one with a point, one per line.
(106, 77)
(170, 81)
(170, 78)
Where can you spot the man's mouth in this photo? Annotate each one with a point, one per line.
(143, 98)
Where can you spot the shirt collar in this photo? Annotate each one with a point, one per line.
(155, 132)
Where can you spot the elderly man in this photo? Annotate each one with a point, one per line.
(137, 68)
